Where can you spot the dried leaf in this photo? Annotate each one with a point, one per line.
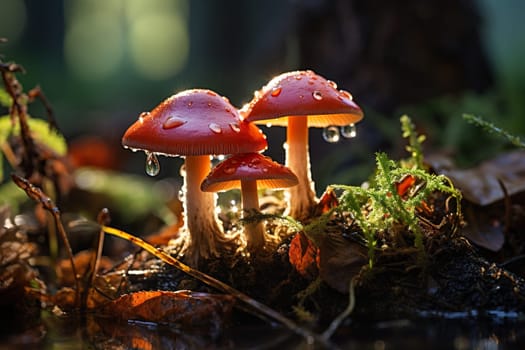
(186, 308)
(303, 255)
(340, 260)
(480, 185)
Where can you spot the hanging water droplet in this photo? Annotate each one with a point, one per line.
(268, 125)
(216, 128)
(180, 195)
(152, 164)
(331, 134)
(172, 122)
(332, 84)
(317, 95)
(276, 91)
(349, 131)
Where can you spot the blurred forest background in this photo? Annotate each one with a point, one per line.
(102, 62)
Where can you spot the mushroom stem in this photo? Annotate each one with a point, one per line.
(199, 211)
(301, 198)
(254, 231)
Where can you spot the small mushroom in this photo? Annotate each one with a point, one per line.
(249, 172)
(298, 100)
(195, 124)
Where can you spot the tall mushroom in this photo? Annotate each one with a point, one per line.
(195, 124)
(249, 172)
(298, 100)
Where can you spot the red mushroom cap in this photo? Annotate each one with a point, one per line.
(302, 93)
(194, 122)
(248, 166)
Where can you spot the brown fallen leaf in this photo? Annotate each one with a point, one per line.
(185, 308)
(340, 260)
(480, 185)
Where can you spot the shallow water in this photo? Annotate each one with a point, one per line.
(460, 331)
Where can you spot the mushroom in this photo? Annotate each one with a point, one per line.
(300, 99)
(249, 172)
(195, 124)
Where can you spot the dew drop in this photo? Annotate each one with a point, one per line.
(349, 131)
(216, 128)
(254, 163)
(332, 84)
(180, 195)
(298, 77)
(172, 122)
(152, 164)
(211, 93)
(276, 91)
(268, 125)
(142, 116)
(190, 103)
(265, 170)
(331, 134)
(229, 170)
(317, 95)
(345, 94)
(235, 127)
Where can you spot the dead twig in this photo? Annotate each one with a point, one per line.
(259, 308)
(47, 203)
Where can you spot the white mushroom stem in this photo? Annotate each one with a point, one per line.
(254, 231)
(301, 198)
(199, 211)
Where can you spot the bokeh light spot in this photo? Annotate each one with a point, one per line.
(159, 45)
(93, 46)
(12, 19)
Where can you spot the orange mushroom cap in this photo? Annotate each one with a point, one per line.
(302, 93)
(194, 122)
(229, 173)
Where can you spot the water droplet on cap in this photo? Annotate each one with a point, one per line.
(235, 127)
(276, 91)
(332, 84)
(331, 134)
(152, 164)
(142, 116)
(172, 122)
(317, 95)
(229, 170)
(216, 128)
(349, 131)
(345, 94)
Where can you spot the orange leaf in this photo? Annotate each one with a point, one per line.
(186, 308)
(303, 255)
